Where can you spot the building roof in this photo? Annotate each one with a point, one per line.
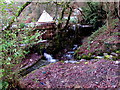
(45, 17)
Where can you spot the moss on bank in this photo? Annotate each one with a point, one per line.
(96, 43)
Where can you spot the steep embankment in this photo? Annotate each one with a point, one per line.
(103, 40)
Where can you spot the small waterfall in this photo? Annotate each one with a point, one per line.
(49, 58)
(74, 27)
(75, 47)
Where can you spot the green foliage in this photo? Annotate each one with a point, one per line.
(3, 85)
(92, 39)
(94, 14)
(84, 56)
(78, 57)
(117, 51)
(22, 25)
(116, 33)
(13, 47)
(102, 29)
(13, 44)
(7, 12)
(86, 62)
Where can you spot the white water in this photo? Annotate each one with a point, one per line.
(69, 56)
(70, 61)
(49, 58)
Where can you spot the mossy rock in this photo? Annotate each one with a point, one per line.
(117, 51)
(78, 57)
(86, 57)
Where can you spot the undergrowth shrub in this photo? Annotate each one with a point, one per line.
(13, 49)
(94, 14)
(13, 43)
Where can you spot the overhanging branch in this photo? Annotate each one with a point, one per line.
(68, 18)
(17, 15)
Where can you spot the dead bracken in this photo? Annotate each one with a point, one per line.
(93, 74)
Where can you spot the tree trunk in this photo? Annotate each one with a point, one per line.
(118, 7)
(66, 5)
(68, 18)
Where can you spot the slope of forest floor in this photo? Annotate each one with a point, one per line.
(103, 40)
(89, 73)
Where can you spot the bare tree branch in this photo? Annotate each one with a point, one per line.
(68, 18)
(66, 5)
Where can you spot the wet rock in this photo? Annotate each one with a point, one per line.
(117, 62)
(71, 52)
(99, 57)
(105, 54)
(115, 54)
(70, 61)
(109, 56)
(42, 83)
(93, 59)
(22, 45)
(44, 72)
(31, 60)
(75, 47)
(93, 56)
(68, 56)
(82, 59)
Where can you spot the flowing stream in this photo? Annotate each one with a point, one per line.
(67, 57)
(67, 54)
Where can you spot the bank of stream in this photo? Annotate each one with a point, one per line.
(69, 43)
